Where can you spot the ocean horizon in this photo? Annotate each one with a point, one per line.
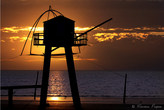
(90, 83)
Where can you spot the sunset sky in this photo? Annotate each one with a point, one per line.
(133, 40)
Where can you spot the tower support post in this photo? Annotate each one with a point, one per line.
(45, 77)
(72, 77)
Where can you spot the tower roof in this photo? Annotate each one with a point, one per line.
(59, 18)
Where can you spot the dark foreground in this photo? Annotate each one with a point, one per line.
(88, 104)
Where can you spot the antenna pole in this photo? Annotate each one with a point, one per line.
(49, 12)
(95, 27)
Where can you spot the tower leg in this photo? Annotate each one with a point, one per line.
(45, 77)
(72, 78)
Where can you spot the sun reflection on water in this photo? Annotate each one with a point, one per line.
(54, 98)
(58, 99)
(58, 84)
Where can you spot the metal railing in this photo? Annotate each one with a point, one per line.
(38, 38)
(78, 41)
(82, 40)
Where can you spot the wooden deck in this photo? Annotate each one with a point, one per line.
(11, 88)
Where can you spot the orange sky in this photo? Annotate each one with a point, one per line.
(133, 40)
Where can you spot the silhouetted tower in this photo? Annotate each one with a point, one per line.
(59, 32)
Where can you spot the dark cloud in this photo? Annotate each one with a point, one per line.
(125, 13)
(124, 54)
(128, 54)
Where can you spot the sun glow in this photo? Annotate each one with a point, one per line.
(79, 29)
(100, 37)
(15, 29)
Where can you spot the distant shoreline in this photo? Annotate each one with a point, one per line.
(106, 100)
(93, 70)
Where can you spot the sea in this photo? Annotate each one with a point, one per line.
(90, 83)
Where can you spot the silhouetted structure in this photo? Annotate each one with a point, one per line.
(59, 32)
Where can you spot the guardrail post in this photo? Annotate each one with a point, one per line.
(10, 97)
(124, 97)
(36, 85)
